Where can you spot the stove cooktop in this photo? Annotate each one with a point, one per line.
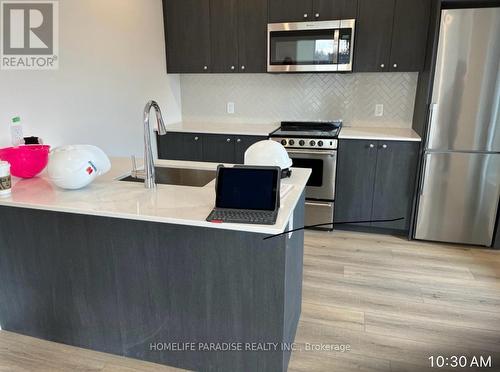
(291, 129)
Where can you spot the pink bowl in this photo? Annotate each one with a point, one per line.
(26, 161)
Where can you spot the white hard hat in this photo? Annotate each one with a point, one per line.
(271, 154)
(76, 166)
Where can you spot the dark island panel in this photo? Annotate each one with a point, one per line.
(129, 287)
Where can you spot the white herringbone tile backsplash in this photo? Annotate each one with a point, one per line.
(266, 98)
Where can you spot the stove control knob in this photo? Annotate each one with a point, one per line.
(302, 142)
(284, 142)
(291, 142)
(312, 143)
(320, 143)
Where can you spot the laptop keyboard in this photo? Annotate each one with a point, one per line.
(243, 216)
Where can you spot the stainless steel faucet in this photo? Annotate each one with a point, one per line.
(149, 167)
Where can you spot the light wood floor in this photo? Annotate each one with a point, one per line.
(394, 302)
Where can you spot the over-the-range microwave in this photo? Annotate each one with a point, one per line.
(322, 46)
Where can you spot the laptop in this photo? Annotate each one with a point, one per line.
(247, 194)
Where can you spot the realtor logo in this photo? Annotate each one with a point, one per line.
(29, 39)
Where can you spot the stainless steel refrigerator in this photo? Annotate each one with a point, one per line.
(460, 188)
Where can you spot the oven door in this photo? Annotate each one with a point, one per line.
(310, 46)
(321, 184)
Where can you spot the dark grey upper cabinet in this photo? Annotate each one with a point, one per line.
(290, 10)
(219, 36)
(187, 35)
(325, 10)
(391, 35)
(311, 10)
(218, 148)
(395, 183)
(252, 34)
(224, 35)
(373, 35)
(409, 37)
(356, 165)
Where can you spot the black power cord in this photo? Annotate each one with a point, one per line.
(331, 224)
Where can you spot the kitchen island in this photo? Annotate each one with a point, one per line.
(140, 273)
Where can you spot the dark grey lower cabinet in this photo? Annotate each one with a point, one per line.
(180, 146)
(133, 288)
(375, 181)
(357, 161)
(214, 148)
(218, 148)
(395, 184)
(242, 144)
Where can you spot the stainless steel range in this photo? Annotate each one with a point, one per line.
(314, 145)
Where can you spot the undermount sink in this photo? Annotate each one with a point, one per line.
(179, 177)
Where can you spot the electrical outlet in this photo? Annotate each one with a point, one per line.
(379, 110)
(230, 107)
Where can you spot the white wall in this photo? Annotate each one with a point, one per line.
(112, 60)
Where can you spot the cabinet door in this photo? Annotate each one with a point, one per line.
(187, 35)
(170, 146)
(180, 146)
(252, 25)
(242, 144)
(290, 11)
(373, 35)
(355, 181)
(325, 10)
(409, 37)
(218, 148)
(395, 183)
(224, 35)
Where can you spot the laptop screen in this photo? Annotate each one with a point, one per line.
(248, 188)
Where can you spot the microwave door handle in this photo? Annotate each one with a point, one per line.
(336, 41)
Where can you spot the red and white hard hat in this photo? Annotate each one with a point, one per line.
(76, 166)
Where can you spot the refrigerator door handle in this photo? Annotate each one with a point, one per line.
(432, 116)
(424, 175)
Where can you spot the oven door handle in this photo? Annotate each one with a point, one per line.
(315, 152)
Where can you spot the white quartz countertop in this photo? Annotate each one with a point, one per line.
(222, 128)
(379, 134)
(180, 205)
(363, 133)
